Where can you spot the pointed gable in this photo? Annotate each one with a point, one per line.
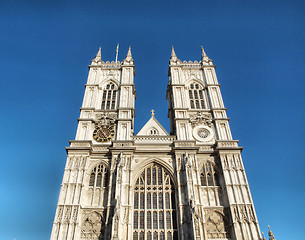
(152, 128)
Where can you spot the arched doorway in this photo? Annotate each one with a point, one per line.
(155, 213)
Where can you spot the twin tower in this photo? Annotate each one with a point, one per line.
(187, 185)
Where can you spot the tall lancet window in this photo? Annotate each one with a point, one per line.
(209, 176)
(154, 215)
(196, 96)
(99, 176)
(109, 97)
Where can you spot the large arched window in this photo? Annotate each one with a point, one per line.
(209, 176)
(109, 97)
(196, 95)
(155, 215)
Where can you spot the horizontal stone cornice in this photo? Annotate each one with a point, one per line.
(213, 85)
(228, 145)
(154, 139)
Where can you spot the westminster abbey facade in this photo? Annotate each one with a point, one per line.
(189, 184)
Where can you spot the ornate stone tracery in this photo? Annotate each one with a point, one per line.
(201, 118)
(93, 226)
(216, 225)
(102, 119)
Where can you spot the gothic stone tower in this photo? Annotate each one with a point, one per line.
(189, 184)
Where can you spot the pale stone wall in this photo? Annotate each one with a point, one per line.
(211, 192)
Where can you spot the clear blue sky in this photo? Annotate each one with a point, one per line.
(258, 47)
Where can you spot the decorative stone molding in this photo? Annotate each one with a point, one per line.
(111, 73)
(66, 217)
(206, 149)
(111, 65)
(231, 162)
(74, 214)
(216, 225)
(153, 139)
(122, 144)
(59, 213)
(76, 163)
(227, 144)
(184, 144)
(105, 119)
(92, 225)
(100, 149)
(80, 144)
(201, 118)
(243, 213)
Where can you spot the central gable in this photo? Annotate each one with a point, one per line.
(152, 128)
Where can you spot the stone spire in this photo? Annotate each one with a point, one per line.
(173, 56)
(173, 53)
(204, 56)
(263, 236)
(271, 236)
(98, 57)
(128, 58)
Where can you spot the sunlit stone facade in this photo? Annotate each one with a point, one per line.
(189, 184)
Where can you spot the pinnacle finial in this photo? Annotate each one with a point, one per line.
(129, 56)
(129, 52)
(203, 52)
(204, 56)
(173, 52)
(271, 236)
(98, 57)
(117, 53)
(152, 112)
(173, 56)
(263, 236)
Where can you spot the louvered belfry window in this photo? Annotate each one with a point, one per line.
(155, 215)
(109, 97)
(196, 96)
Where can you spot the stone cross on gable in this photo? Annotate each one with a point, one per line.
(152, 112)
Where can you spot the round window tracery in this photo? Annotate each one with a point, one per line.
(203, 133)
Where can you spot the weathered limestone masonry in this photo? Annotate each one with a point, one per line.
(189, 184)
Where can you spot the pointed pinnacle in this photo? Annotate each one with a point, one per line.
(128, 58)
(173, 52)
(129, 52)
(263, 236)
(203, 54)
(270, 233)
(99, 53)
(98, 57)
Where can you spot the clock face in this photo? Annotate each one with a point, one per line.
(103, 134)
